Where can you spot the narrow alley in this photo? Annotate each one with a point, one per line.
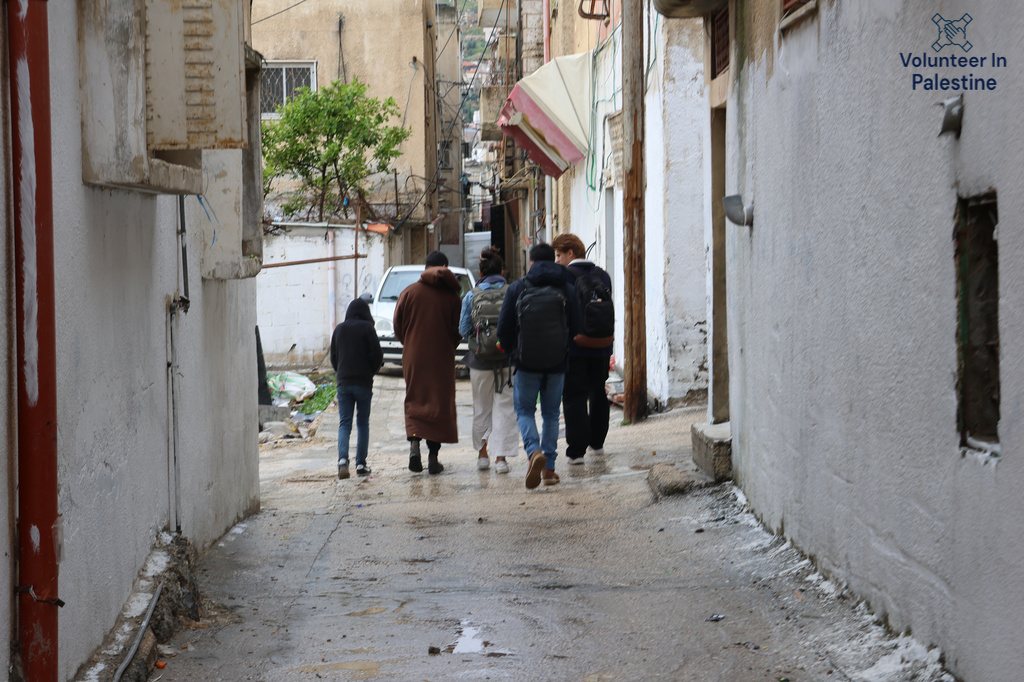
(467, 575)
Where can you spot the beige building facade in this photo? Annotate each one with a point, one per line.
(450, 124)
(390, 45)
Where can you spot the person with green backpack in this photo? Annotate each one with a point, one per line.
(495, 431)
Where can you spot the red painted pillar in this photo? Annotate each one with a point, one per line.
(37, 380)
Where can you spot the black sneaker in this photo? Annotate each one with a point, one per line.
(415, 464)
(362, 470)
(343, 470)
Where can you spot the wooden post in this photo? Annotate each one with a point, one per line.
(633, 81)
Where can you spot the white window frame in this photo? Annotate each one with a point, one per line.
(283, 64)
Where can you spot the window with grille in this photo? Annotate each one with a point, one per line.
(281, 80)
(719, 43)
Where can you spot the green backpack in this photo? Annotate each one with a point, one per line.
(483, 314)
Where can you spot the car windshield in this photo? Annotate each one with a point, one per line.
(398, 280)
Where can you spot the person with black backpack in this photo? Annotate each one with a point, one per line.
(584, 401)
(539, 316)
(494, 418)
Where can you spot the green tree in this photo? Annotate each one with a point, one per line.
(330, 140)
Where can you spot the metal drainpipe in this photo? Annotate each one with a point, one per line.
(179, 305)
(38, 522)
(546, 24)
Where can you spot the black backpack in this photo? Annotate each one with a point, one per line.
(543, 327)
(595, 304)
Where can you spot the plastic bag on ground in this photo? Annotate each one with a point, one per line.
(289, 386)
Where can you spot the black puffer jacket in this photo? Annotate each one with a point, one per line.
(355, 350)
(542, 273)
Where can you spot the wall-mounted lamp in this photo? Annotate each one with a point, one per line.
(952, 115)
(736, 211)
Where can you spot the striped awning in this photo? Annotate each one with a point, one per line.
(548, 113)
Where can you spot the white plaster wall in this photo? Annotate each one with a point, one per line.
(293, 302)
(842, 336)
(676, 116)
(588, 196)
(117, 265)
(656, 312)
(685, 120)
(218, 213)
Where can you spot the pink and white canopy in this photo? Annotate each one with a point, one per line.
(548, 113)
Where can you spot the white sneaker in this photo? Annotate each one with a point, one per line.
(597, 451)
(483, 463)
(501, 467)
(577, 461)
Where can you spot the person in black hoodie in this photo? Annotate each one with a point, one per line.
(356, 356)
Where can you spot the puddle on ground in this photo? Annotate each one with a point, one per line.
(469, 641)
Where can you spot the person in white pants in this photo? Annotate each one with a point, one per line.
(495, 431)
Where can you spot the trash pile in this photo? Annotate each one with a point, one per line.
(281, 430)
(287, 387)
(305, 401)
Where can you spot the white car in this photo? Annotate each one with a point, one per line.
(383, 302)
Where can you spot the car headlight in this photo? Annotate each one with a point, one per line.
(383, 326)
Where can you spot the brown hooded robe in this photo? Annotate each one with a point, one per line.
(427, 324)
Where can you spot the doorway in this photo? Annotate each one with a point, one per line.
(718, 382)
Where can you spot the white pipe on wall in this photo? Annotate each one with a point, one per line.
(331, 283)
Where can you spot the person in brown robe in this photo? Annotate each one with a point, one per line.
(427, 324)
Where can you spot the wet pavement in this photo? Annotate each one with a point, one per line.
(467, 575)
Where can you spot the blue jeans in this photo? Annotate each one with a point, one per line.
(525, 390)
(349, 398)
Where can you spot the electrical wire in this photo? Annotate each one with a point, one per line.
(271, 16)
(408, 97)
(458, 22)
(451, 126)
(594, 183)
(452, 85)
(652, 53)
